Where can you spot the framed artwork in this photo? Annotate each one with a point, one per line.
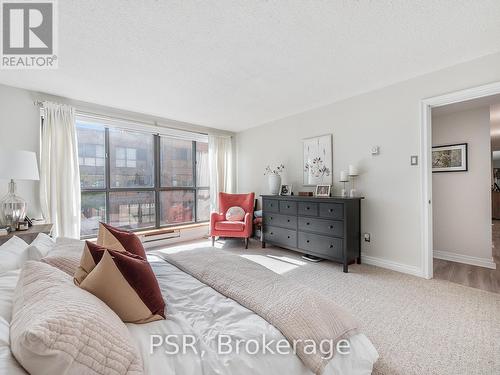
(286, 190)
(449, 158)
(323, 190)
(318, 161)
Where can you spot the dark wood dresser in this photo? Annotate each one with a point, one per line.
(328, 228)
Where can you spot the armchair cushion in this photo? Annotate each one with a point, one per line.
(232, 226)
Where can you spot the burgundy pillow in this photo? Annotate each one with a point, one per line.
(124, 281)
(119, 240)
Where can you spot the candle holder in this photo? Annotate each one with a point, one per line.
(343, 193)
(353, 173)
(353, 192)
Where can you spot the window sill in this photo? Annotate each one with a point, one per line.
(159, 231)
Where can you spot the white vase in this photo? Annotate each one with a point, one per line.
(274, 181)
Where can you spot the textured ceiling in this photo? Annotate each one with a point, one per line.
(236, 64)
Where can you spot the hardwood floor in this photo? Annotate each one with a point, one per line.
(473, 276)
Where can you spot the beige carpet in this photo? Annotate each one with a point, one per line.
(418, 326)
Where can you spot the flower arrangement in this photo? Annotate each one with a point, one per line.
(276, 170)
(316, 167)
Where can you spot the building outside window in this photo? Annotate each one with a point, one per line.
(137, 180)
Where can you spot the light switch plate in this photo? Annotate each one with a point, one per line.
(414, 160)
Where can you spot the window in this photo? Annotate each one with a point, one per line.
(136, 180)
(131, 159)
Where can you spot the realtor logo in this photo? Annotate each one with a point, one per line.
(28, 35)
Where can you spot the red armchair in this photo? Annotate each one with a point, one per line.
(239, 229)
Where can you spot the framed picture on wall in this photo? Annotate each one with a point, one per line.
(318, 161)
(450, 158)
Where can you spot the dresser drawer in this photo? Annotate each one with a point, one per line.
(331, 210)
(322, 245)
(270, 205)
(321, 226)
(278, 220)
(308, 208)
(288, 207)
(280, 236)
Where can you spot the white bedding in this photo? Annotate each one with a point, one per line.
(194, 308)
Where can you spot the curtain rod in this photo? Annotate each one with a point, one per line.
(39, 103)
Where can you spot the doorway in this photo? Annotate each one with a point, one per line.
(465, 97)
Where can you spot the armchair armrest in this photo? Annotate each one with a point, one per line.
(248, 219)
(215, 217)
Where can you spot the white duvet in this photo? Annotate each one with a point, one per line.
(194, 308)
(197, 310)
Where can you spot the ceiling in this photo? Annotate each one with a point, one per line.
(237, 64)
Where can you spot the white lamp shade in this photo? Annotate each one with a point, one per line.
(18, 165)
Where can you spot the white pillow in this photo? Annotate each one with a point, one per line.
(235, 213)
(9, 364)
(58, 328)
(68, 244)
(12, 254)
(40, 247)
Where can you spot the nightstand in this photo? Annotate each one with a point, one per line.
(28, 235)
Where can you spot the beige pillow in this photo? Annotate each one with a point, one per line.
(126, 283)
(58, 328)
(67, 262)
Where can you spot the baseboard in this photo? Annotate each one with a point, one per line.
(467, 259)
(391, 265)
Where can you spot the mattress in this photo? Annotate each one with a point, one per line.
(201, 316)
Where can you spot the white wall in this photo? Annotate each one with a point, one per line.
(20, 130)
(462, 200)
(388, 117)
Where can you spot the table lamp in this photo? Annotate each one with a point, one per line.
(15, 165)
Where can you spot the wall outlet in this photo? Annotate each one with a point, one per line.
(367, 237)
(375, 150)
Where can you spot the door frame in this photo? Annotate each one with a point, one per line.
(426, 151)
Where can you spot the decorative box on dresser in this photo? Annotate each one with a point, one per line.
(329, 228)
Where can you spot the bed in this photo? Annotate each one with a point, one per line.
(194, 309)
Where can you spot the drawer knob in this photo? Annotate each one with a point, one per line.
(331, 246)
(287, 206)
(307, 223)
(271, 233)
(307, 241)
(288, 220)
(331, 226)
(330, 210)
(308, 207)
(270, 218)
(288, 236)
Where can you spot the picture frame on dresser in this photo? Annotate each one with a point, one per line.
(327, 228)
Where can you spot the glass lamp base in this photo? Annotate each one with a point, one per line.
(12, 208)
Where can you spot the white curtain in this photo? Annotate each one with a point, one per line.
(59, 170)
(220, 160)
